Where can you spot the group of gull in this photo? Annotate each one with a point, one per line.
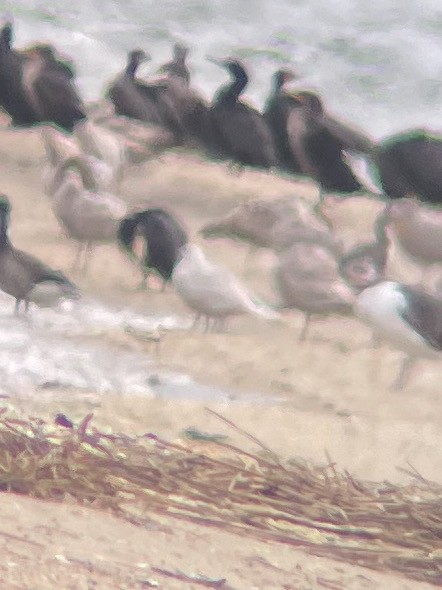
(313, 273)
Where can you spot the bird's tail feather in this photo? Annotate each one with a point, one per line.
(263, 310)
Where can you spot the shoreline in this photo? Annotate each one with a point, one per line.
(335, 388)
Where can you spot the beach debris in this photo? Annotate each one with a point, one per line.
(195, 434)
(62, 420)
(147, 336)
(194, 578)
(327, 512)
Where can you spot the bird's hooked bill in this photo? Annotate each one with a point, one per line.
(219, 61)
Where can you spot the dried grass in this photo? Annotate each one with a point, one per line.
(381, 526)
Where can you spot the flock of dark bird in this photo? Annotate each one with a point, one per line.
(294, 134)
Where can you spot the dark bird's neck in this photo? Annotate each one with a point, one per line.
(4, 240)
(231, 92)
(6, 37)
(178, 69)
(278, 83)
(132, 67)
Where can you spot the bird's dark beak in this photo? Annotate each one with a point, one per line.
(290, 76)
(215, 60)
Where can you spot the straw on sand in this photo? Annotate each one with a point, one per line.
(381, 526)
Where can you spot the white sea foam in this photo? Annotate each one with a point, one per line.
(77, 349)
(59, 348)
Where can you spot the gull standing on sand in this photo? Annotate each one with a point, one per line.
(105, 146)
(405, 316)
(307, 278)
(88, 216)
(273, 224)
(59, 148)
(212, 291)
(265, 223)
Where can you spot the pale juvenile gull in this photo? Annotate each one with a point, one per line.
(212, 291)
(273, 224)
(103, 145)
(59, 147)
(87, 216)
(308, 279)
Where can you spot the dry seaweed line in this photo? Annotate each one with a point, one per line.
(381, 526)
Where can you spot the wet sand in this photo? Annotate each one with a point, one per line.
(329, 394)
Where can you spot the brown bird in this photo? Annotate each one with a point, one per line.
(270, 224)
(278, 109)
(177, 68)
(36, 85)
(319, 143)
(308, 279)
(127, 92)
(26, 278)
(13, 97)
(191, 109)
(49, 86)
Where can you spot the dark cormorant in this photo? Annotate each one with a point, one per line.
(163, 236)
(317, 149)
(50, 89)
(13, 98)
(48, 53)
(127, 93)
(157, 93)
(145, 101)
(410, 163)
(239, 130)
(37, 87)
(278, 107)
(177, 68)
(192, 110)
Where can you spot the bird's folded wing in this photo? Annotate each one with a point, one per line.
(424, 315)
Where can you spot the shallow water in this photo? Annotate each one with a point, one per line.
(75, 347)
(50, 348)
(378, 63)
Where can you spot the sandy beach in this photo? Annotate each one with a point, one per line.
(328, 395)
